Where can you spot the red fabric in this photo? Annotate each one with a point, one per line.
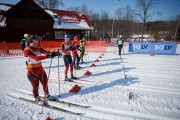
(63, 50)
(34, 77)
(66, 70)
(74, 45)
(36, 74)
(28, 53)
(71, 69)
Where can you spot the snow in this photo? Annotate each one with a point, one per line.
(153, 82)
(68, 22)
(4, 7)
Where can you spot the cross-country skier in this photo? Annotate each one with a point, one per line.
(120, 44)
(66, 49)
(82, 48)
(35, 72)
(76, 52)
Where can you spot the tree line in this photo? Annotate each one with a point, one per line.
(126, 21)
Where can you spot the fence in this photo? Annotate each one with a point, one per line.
(12, 49)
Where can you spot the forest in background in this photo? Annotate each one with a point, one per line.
(126, 21)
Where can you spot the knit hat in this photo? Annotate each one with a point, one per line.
(32, 38)
(76, 38)
(26, 35)
(67, 37)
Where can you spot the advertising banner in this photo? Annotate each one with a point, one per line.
(162, 48)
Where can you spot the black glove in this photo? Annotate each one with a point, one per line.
(70, 47)
(51, 55)
(77, 46)
(58, 53)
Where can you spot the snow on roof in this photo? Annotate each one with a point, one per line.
(69, 20)
(4, 7)
(2, 21)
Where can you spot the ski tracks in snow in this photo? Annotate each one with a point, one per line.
(93, 112)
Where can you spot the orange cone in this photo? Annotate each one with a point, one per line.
(75, 89)
(100, 56)
(48, 118)
(96, 60)
(87, 73)
(93, 65)
(152, 54)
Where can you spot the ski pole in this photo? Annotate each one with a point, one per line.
(46, 86)
(75, 71)
(87, 53)
(58, 74)
(115, 50)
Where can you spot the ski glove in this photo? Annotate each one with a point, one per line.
(52, 55)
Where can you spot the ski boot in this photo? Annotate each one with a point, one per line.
(67, 79)
(38, 100)
(72, 77)
(49, 97)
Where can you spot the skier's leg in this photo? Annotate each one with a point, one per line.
(81, 56)
(74, 62)
(44, 82)
(119, 48)
(66, 70)
(34, 79)
(66, 63)
(43, 79)
(78, 59)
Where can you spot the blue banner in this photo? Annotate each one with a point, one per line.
(163, 48)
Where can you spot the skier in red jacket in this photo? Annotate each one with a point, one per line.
(35, 72)
(76, 52)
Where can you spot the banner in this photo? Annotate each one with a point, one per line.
(138, 47)
(163, 48)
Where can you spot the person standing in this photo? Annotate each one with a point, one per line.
(82, 48)
(66, 49)
(24, 42)
(76, 52)
(120, 42)
(35, 71)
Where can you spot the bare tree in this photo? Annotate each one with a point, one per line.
(119, 13)
(176, 32)
(105, 25)
(50, 4)
(144, 7)
(84, 8)
(75, 9)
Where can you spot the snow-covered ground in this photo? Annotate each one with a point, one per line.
(153, 82)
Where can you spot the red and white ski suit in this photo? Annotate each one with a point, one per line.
(35, 72)
(66, 51)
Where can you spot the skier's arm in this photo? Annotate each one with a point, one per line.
(63, 50)
(44, 51)
(28, 53)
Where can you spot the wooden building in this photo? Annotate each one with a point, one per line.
(28, 17)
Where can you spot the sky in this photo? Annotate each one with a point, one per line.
(168, 8)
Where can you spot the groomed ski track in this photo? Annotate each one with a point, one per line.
(91, 112)
(154, 82)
